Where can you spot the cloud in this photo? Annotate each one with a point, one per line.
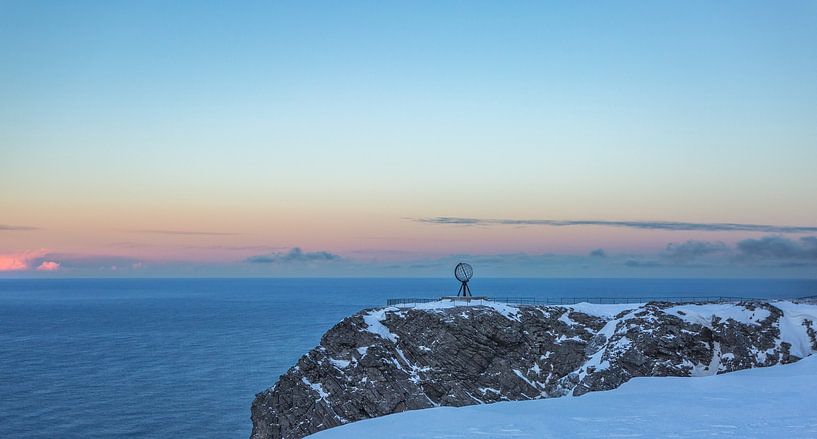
(636, 263)
(12, 263)
(778, 248)
(691, 250)
(185, 232)
(48, 266)
(598, 253)
(20, 261)
(82, 263)
(772, 251)
(643, 225)
(294, 255)
(9, 228)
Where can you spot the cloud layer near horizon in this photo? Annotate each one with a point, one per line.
(771, 255)
(6, 227)
(779, 248)
(293, 255)
(648, 225)
(28, 260)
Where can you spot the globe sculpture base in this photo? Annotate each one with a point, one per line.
(464, 290)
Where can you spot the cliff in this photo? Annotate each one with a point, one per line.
(388, 360)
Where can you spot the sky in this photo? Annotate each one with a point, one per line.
(611, 139)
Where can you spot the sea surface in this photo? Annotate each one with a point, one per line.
(159, 358)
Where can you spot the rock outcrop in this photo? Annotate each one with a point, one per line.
(388, 360)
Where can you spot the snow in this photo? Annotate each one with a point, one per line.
(565, 318)
(414, 370)
(596, 361)
(792, 329)
(374, 323)
(563, 338)
(485, 390)
(535, 369)
(603, 310)
(702, 314)
(317, 388)
(699, 370)
(755, 403)
(600, 310)
(340, 364)
(791, 324)
(525, 379)
(508, 311)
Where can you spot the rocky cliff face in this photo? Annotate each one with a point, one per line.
(388, 360)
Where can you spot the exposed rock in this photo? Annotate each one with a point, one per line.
(389, 360)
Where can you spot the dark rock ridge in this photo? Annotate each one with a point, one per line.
(388, 360)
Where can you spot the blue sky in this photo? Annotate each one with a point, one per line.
(260, 127)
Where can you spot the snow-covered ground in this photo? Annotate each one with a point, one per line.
(771, 402)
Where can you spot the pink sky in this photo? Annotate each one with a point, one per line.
(25, 260)
(363, 250)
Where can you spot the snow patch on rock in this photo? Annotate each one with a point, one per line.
(703, 314)
(794, 327)
(374, 324)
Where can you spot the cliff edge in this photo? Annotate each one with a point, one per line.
(388, 360)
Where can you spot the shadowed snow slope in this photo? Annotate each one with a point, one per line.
(389, 360)
(758, 403)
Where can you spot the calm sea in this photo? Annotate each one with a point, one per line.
(165, 358)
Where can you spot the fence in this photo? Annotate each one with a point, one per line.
(597, 300)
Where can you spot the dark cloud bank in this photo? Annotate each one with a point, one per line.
(690, 250)
(775, 250)
(776, 247)
(294, 255)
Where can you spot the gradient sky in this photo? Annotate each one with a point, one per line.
(333, 138)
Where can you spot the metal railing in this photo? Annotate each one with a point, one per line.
(617, 300)
(596, 300)
(408, 301)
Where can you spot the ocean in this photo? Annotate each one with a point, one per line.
(158, 358)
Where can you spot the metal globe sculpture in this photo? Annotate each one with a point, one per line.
(463, 272)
